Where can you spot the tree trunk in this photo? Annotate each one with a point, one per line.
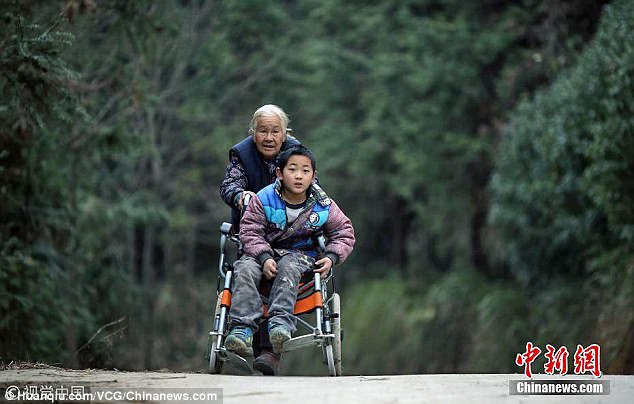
(147, 282)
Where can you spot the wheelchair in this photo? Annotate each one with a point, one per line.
(316, 297)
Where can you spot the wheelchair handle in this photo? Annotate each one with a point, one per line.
(225, 234)
(225, 228)
(245, 203)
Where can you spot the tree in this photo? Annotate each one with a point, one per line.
(562, 187)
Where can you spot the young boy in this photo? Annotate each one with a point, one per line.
(278, 234)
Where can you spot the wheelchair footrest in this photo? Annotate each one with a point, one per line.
(234, 363)
(305, 340)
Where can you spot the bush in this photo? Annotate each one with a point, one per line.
(562, 188)
(563, 196)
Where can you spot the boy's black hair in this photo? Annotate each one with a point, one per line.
(297, 150)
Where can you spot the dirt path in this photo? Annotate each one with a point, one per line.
(304, 390)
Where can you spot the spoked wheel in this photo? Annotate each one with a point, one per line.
(332, 351)
(330, 360)
(215, 364)
(336, 330)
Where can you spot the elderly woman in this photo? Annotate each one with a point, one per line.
(252, 167)
(252, 161)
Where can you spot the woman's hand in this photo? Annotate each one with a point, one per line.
(242, 196)
(270, 268)
(323, 266)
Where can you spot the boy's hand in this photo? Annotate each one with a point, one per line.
(270, 268)
(323, 266)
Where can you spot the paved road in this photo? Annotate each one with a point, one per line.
(304, 390)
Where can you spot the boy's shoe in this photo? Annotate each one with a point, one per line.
(240, 341)
(267, 363)
(278, 335)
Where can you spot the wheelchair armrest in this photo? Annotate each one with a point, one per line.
(321, 239)
(329, 275)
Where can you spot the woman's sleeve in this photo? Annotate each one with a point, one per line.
(253, 232)
(234, 183)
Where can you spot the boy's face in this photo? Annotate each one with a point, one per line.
(297, 175)
(269, 136)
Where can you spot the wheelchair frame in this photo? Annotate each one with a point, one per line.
(313, 297)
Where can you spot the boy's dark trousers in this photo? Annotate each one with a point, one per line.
(269, 362)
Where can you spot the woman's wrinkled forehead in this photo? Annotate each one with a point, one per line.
(268, 121)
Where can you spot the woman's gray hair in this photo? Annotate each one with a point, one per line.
(269, 110)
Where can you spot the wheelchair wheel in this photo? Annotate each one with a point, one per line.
(215, 364)
(336, 330)
(330, 360)
(332, 351)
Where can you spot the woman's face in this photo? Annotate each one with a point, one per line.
(269, 136)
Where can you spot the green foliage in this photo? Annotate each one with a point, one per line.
(562, 192)
(613, 286)
(501, 323)
(456, 324)
(61, 278)
(382, 317)
(564, 175)
(420, 90)
(35, 227)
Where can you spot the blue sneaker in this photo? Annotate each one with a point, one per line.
(240, 341)
(278, 335)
